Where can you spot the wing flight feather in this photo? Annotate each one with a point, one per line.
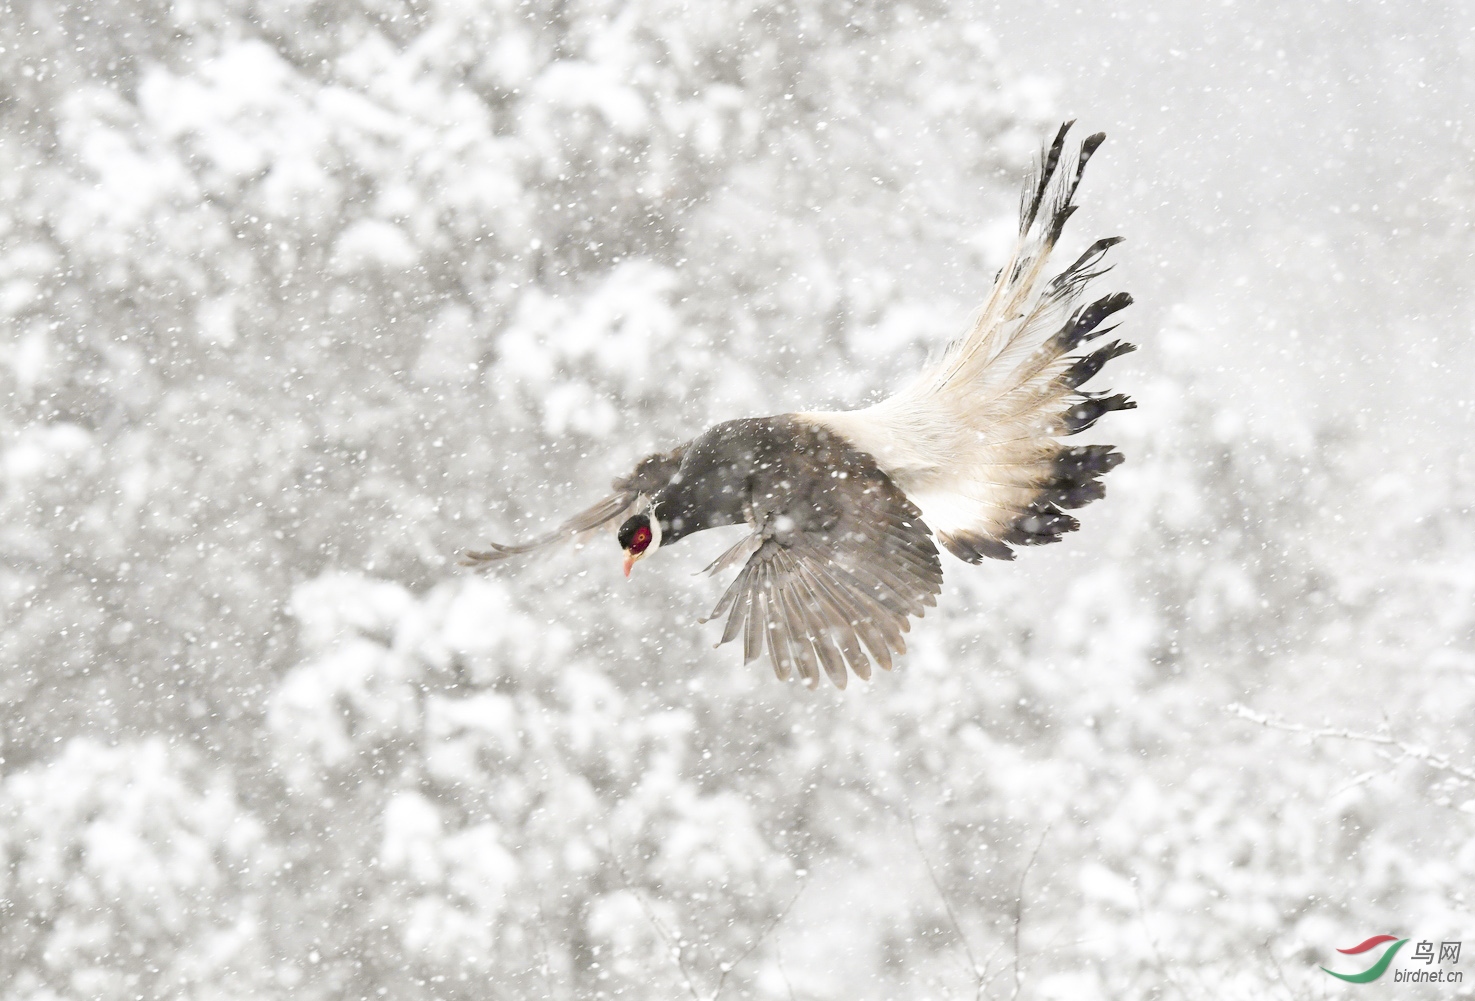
(649, 476)
(837, 565)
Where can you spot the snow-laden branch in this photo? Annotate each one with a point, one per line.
(1398, 750)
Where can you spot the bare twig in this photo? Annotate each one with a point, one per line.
(547, 955)
(1355, 782)
(973, 967)
(673, 941)
(729, 967)
(783, 974)
(1019, 910)
(1280, 973)
(1157, 955)
(1405, 751)
(666, 936)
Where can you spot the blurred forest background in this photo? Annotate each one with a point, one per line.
(300, 297)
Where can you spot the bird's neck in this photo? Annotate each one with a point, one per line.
(679, 516)
(698, 504)
(713, 487)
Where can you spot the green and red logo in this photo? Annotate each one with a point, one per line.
(1375, 971)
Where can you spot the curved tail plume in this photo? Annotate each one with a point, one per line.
(973, 439)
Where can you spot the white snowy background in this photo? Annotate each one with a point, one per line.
(300, 297)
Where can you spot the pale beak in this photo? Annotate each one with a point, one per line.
(629, 562)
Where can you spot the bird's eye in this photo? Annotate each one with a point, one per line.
(641, 540)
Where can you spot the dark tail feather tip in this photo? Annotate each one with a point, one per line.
(1089, 410)
(1049, 160)
(1042, 524)
(1088, 318)
(1077, 462)
(1089, 365)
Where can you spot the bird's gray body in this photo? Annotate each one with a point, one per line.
(758, 469)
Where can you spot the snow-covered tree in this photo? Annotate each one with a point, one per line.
(297, 300)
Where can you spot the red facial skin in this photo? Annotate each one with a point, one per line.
(638, 545)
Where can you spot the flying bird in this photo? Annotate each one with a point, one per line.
(844, 507)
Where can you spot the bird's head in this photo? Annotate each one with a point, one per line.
(639, 535)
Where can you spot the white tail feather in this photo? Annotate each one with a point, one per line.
(972, 438)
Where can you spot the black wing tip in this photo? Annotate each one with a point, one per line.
(1074, 481)
(1035, 192)
(1057, 145)
(1090, 409)
(1088, 149)
(1085, 267)
(1087, 366)
(1075, 475)
(1084, 322)
(1041, 524)
(1077, 459)
(1049, 161)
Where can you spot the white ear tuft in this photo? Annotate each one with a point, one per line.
(655, 530)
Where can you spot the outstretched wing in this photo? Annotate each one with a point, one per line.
(975, 438)
(650, 475)
(837, 562)
(1017, 377)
